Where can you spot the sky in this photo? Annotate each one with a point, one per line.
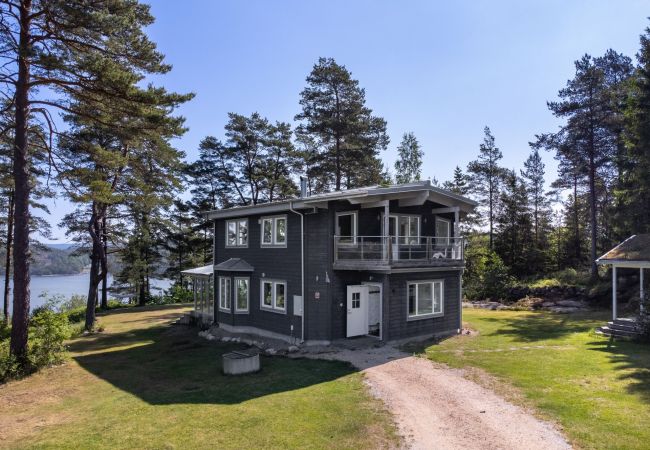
(442, 70)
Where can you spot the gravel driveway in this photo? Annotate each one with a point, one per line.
(436, 407)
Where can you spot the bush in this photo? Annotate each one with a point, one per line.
(48, 332)
(486, 277)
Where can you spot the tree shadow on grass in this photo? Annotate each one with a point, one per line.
(172, 365)
(541, 326)
(632, 359)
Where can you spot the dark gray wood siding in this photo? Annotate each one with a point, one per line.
(273, 263)
(399, 327)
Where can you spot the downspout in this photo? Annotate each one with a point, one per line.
(302, 270)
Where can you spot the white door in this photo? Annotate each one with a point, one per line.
(357, 311)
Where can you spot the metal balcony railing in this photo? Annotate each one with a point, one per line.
(391, 248)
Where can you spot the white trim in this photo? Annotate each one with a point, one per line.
(273, 308)
(228, 291)
(274, 226)
(248, 295)
(237, 235)
(397, 235)
(355, 226)
(416, 316)
(623, 263)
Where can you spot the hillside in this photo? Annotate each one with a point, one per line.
(53, 261)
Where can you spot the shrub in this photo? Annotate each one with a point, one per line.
(487, 276)
(48, 333)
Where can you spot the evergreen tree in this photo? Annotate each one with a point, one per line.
(68, 47)
(539, 207)
(486, 176)
(408, 166)
(346, 137)
(587, 140)
(633, 197)
(513, 226)
(459, 184)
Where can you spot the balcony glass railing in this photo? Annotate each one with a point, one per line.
(391, 248)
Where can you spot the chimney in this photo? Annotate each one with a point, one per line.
(303, 187)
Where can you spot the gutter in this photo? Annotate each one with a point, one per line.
(302, 270)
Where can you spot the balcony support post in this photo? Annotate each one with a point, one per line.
(386, 234)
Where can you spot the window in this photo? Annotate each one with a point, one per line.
(443, 230)
(242, 295)
(274, 231)
(224, 294)
(425, 299)
(346, 227)
(274, 295)
(237, 233)
(408, 229)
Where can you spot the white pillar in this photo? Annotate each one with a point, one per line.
(386, 243)
(641, 290)
(614, 292)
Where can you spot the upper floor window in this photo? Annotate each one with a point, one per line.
(237, 233)
(346, 227)
(443, 230)
(274, 231)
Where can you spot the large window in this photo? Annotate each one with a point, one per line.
(242, 294)
(237, 233)
(425, 298)
(274, 295)
(225, 293)
(409, 229)
(346, 227)
(274, 231)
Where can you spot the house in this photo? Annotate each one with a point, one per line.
(632, 253)
(379, 261)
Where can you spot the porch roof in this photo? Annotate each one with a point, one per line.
(234, 265)
(203, 271)
(632, 252)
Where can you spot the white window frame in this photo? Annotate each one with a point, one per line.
(237, 243)
(273, 307)
(239, 310)
(448, 222)
(435, 313)
(355, 227)
(398, 236)
(274, 226)
(228, 291)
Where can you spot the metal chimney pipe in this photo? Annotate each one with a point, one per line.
(303, 187)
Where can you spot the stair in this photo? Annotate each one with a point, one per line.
(623, 328)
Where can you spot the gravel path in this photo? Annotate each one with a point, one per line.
(437, 408)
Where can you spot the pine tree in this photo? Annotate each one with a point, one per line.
(486, 176)
(346, 137)
(539, 206)
(408, 167)
(71, 47)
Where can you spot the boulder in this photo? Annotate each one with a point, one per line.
(271, 351)
(293, 349)
(570, 303)
(225, 339)
(563, 309)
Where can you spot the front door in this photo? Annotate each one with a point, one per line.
(357, 310)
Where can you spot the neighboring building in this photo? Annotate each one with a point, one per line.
(379, 261)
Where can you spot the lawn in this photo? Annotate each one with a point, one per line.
(596, 389)
(143, 383)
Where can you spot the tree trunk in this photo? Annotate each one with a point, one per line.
(592, 216)
(94, 230)
(9, 246)
(104, 263)
(22, 191)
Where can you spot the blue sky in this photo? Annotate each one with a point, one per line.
(442, 70)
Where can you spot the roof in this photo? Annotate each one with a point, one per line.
(199, 271)
(422, 190)
(234, 265)
(635, 250)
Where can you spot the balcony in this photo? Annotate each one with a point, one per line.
(390, 252)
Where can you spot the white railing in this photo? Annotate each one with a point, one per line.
(391, 248)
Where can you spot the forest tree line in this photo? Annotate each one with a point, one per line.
(80, 121)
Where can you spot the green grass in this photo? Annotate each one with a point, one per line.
(144, 384)
(596, 389)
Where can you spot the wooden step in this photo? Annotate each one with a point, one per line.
(622, 326)
(616, 332)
